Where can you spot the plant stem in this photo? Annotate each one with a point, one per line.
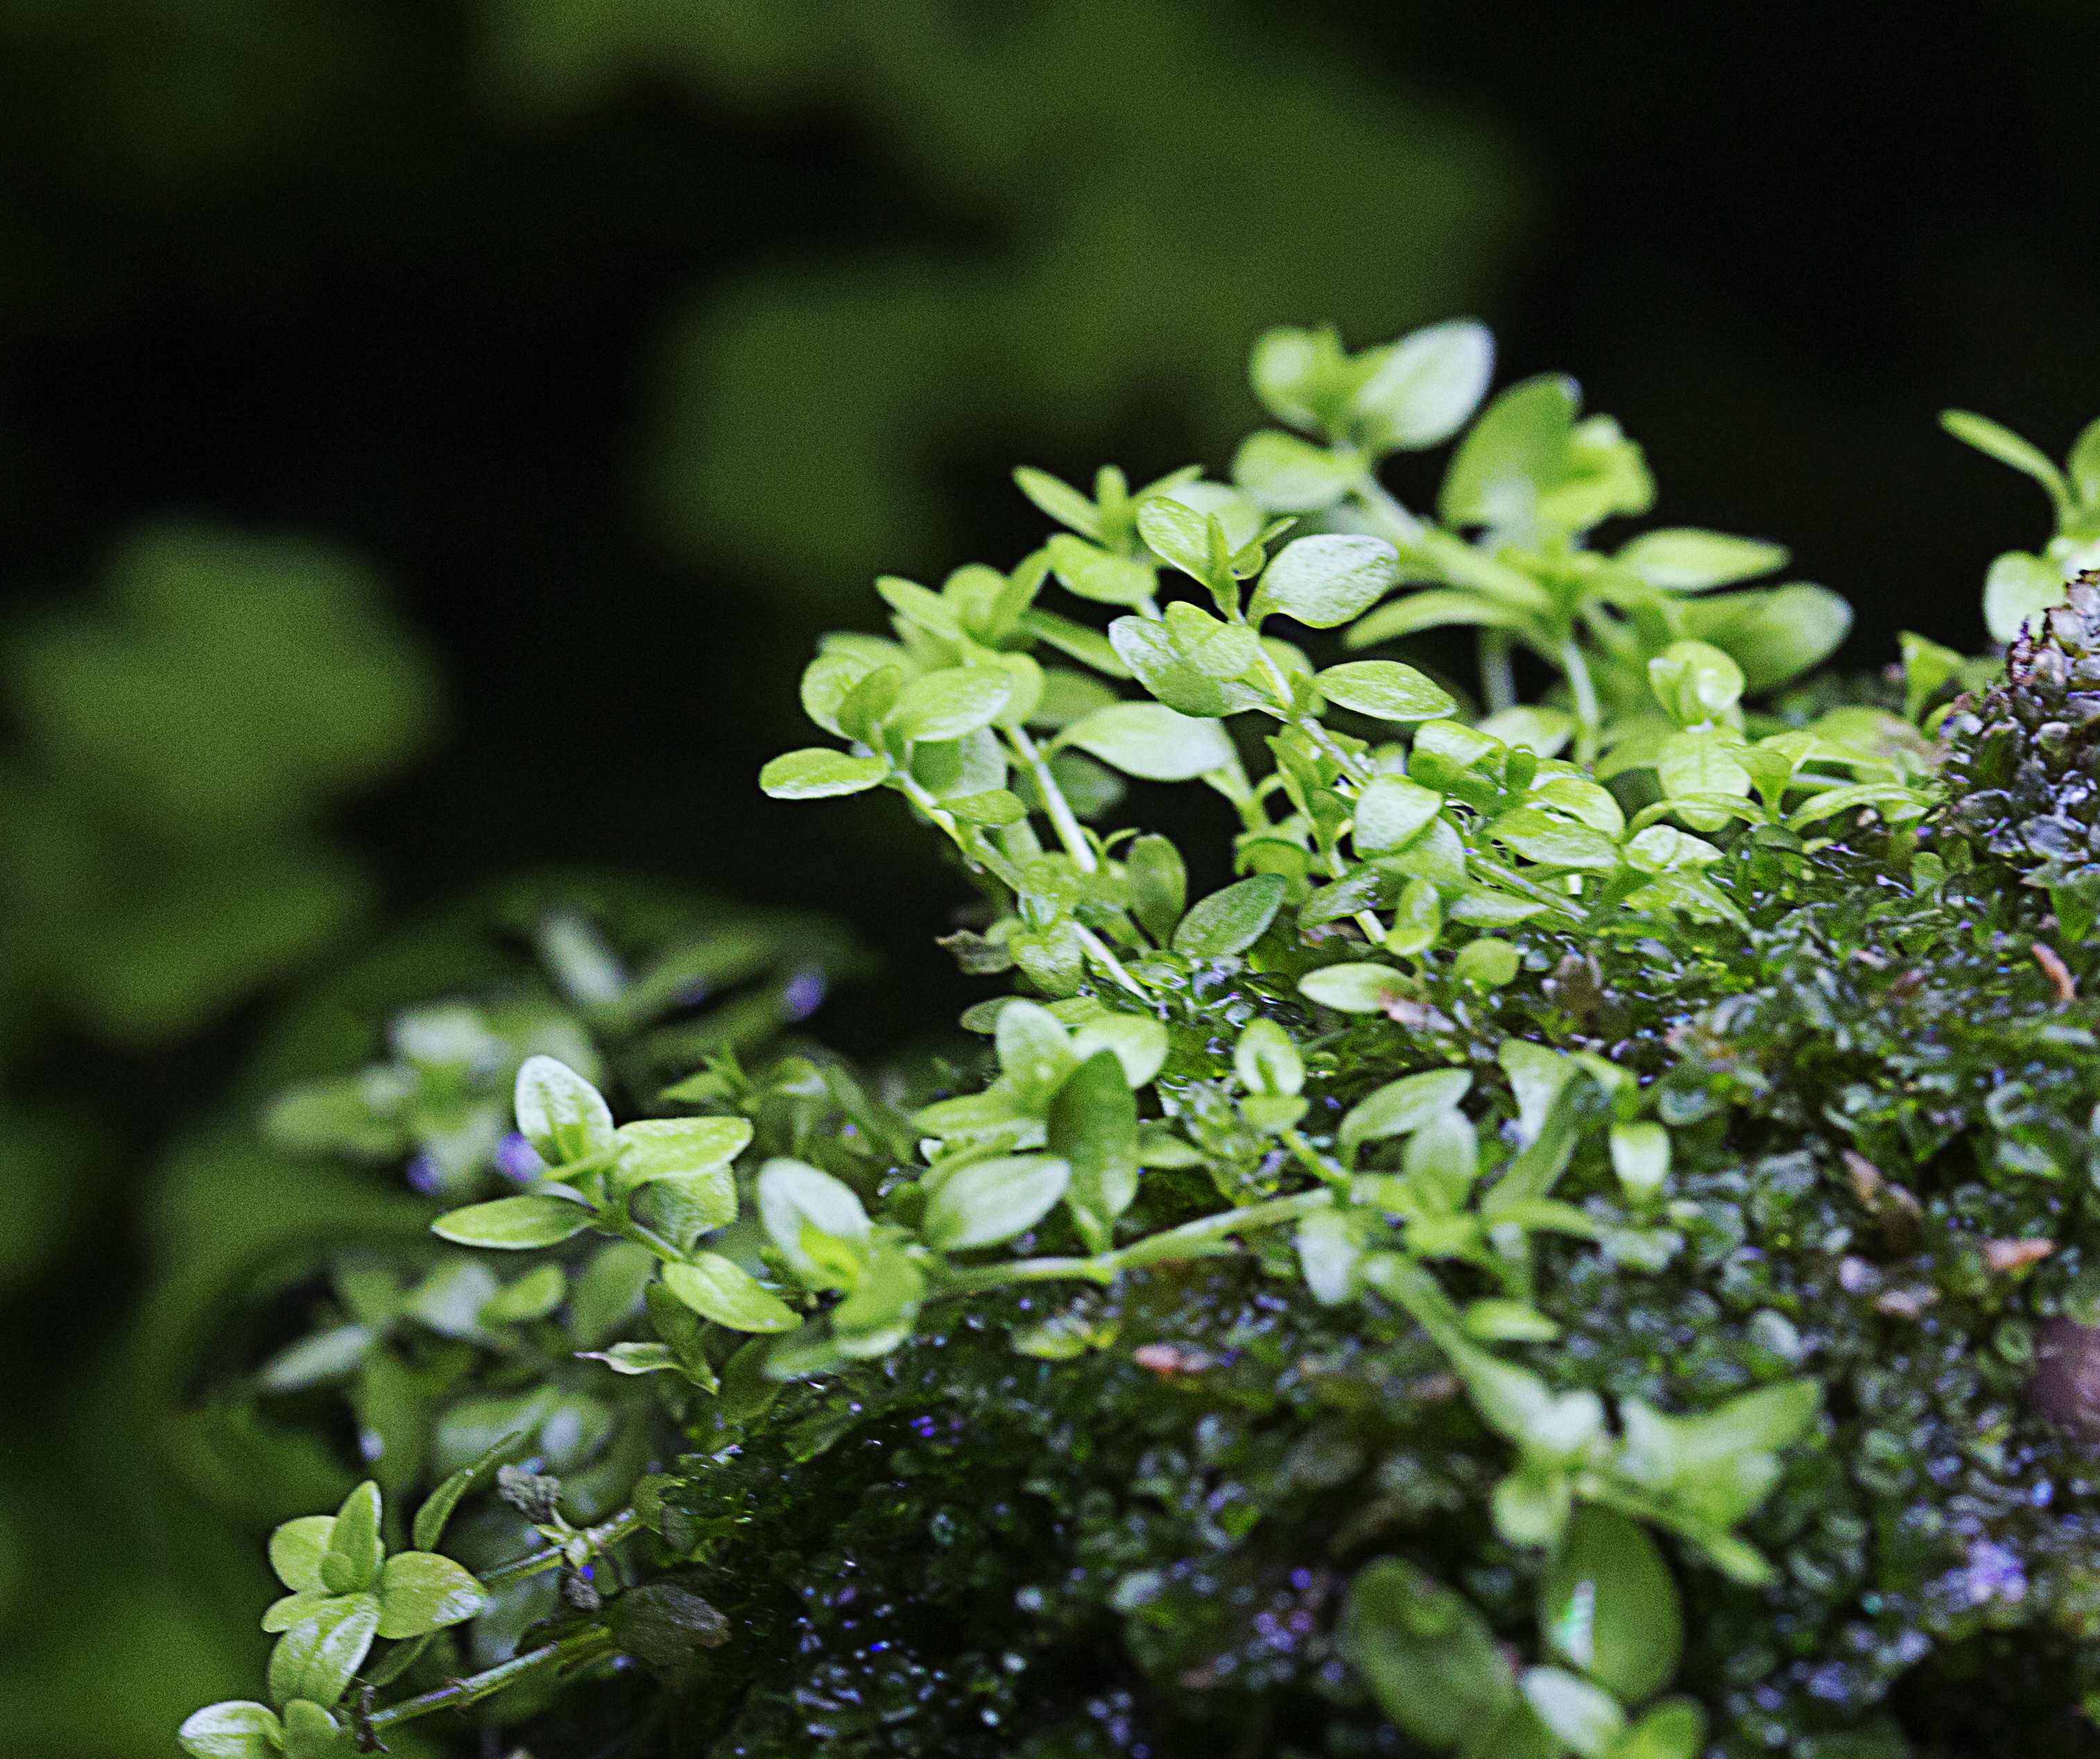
(584, 1645)
(1497, 682)
(977, 848)
(1192, 1239)
(1400, 525)
(1332, 1174)
(606, 1534)
(1062, 819)
(1588, 720)
(1101, 952)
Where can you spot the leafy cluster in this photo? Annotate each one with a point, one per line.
(1546, 1260)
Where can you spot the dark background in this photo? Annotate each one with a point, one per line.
(629, 352)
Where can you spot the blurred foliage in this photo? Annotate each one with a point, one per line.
(1104, 186)
(175, 742)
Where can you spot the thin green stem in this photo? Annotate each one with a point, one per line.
(1062, 819)
(1103, 956)
(552, 1658)
(1589, 719)
(1192, 1239)
(978, 850)
(606, 1534)
(1329, 1172)
(1497, 680)
(1400, 525)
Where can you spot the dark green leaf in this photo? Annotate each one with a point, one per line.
(1426, 1653)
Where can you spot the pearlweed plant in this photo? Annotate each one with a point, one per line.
(1581, 1246)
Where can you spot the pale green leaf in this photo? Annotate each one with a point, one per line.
(1231, 921)
(1425, 386)
(951, 701)
(992, 1201)
(421, 1591)
(1324, 582)
(560, 1113)
(1684, 559)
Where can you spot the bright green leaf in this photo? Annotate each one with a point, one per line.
(718, 1288)
(420, 1591)
(951, 701)
(1151, 741)
(239, 1729)
(514, 1224)
(1326, 581)
(1384, 689)
(1682, 559)
(992, 1201)
(317, 1657)
(1608, 1607)
(818, 773)
(1425, 386)
(560, 1113)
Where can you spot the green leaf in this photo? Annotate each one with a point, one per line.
(662, 1625)
(1400, 1108)
(1516, 452)
(1060, 500)
(1289, 475)
(296, 1550)
(354, 1549)
(682, 1148)
(1384, 689)
(533, 1296)
(1426, 1653)
(1177, 534)
(1541, 731)
(1640, 1157)
(1696, 682)
(1300, 375)
(1159, 885)
(1432, 609)
(325, 1356)
(1360, 988)
(1684, 559)
(438, 1507)
(718, 1289)
(1701, 763)
(1266, 1061)
(1328, 1251)
(1151, 656)
(514, 1224)
(317, 1657)
(796, 1201)
(1552, 842)
(560, 1113)
(928, 610)
(1093, 572)
(1212, 646)
(817, 772)
(2016, 588)
(1090, 647)
(420, 1591)
(1324, 582)
(876, 1317)
(1585, 1717)
(1775, 634)
(1231, 921)
(827, 681)
(238, 1728)
(1093, 1128)
(992, 1201)
(2002, 443)
(950, 701)
(311, 1732)
(1138, 1042)
(1425, 386)
(1674, 1729)
(1390, 811)
(1151, 741)
(2084, 464)
(1608, 1607)
(1487, 963)
(633, 1358)
(1035, 1052)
